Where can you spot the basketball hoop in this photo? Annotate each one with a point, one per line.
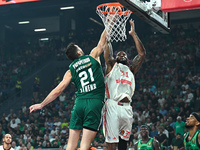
(114, 17)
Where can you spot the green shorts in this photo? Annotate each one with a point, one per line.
(86, 113)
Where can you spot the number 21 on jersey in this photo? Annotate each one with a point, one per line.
(83, 75)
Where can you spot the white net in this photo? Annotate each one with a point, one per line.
(114, 19)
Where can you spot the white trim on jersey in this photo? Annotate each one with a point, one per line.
(1, 148)
(120, 83)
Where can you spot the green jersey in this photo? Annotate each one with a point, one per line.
(180, 127)
(88, 78)
(145, 146)
(193, 143)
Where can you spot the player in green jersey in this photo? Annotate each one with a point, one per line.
(192, 137)
(146, 143)
(86, 73)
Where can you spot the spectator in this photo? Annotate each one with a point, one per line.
(141, 116)
(188, 96)
(101, 141)
(149, 122)
(162, 138)
(63, 138)
(13, 124)
(23, 147)
(65, 145)
(14, 146)
(65, 123)
(29, 146)
(36, 89)
(9, 116)
(163, 111)
(153, 132)
(48, 145)
(177, 142)
(57, 123)
(62, 97)
(134, 139)
(41, 121)
(49, 123)
(179, 126)
(161, 101)
(18, 87)
(56, 142)
(170, 131)
(54, 130)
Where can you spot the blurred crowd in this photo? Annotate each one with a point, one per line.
(17, 61)
(167, 91)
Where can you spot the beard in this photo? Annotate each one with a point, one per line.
(124, 62)
(188, 126)
(7, 142)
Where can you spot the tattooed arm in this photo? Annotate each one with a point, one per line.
(138, 60)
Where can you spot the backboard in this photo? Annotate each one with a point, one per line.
(149, 12)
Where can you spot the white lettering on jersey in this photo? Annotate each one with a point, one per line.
(120, 83)
(80, 62)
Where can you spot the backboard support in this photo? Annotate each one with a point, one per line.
(150, 12)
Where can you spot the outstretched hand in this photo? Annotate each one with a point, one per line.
(132, 30)
(35, 107)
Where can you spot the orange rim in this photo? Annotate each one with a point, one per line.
(113, 4)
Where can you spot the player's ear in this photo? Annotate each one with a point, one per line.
(198, 123)
(79, 52)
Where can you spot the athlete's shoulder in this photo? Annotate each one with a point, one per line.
(1, 148)
(136, 144)
(156, 144)
(154, 140)
(91, 58)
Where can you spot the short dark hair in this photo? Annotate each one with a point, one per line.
(71, 52)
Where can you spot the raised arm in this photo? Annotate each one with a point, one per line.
(96, 52)
(108, 56)
(138, 60)
(54, 93)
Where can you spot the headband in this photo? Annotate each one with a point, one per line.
(144, 126)
(196, 116)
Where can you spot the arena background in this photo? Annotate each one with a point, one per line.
(25, 57)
